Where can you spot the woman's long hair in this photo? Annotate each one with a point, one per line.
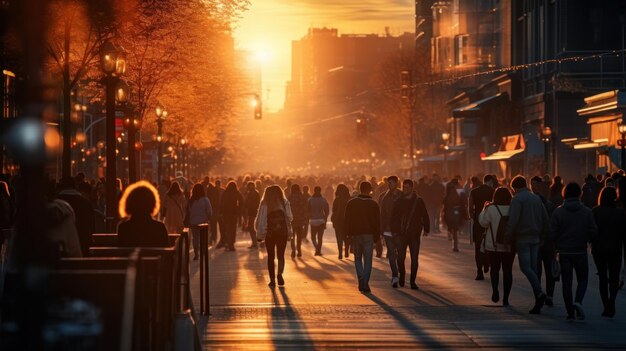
(342, 191)
(197, 192)
(274, 198)
(502, 196)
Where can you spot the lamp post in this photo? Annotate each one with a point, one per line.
(445, 136)
(622, 143)
(132, 125)
(183, 146)
(113, 64)
(546, 137)
(161, 114)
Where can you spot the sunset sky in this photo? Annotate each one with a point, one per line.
(269, 26)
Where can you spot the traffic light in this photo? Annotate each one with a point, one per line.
(405, 84)
(258, 107)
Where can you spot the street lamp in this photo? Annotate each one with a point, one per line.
(113, 65)
(161, 114)
(622, 142)
(183, 145)
(132, 124)
(445, 136)
(546, 137)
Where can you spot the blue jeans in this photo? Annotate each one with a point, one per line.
(527, 256)
(317, 235)
(363, 252)
(392, 252)
(569, 264)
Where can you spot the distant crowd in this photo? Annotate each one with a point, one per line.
(546, 223)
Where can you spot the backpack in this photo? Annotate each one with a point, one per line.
(277, 224)
(504, 220)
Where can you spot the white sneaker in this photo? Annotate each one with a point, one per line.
(394, 282)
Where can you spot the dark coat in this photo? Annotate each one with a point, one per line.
(572, 226)
(251, 203)
(299, 205)
(611, 222)
(339, 212)
(85, 218)
(477, 198)
(362, 217)
(231, 203)
(411, 226)
(142, 231)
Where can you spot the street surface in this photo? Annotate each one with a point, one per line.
(320, 306)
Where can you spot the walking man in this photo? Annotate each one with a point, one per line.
(386, 203)
(362, 223)
(528, 225)
(477, 198)
(409, 218)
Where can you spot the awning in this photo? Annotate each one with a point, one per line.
(451, 156)
(502, 155)
(477, 108)
(585, 143)
(510, 146)
(603, 103)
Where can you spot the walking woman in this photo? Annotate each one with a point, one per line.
(318, 215)
(499, 253)
(342, 196)
(273, 225)
(607, 247)
(231, 209)
(454, 212)
(298, 203)
(174, 205)
(199, 212)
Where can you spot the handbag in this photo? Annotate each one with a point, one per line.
(555, 269)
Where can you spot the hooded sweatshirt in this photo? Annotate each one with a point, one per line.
(572, 226)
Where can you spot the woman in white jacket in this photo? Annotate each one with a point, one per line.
(273, 224)
(500, 254)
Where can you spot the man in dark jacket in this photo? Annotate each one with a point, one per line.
(84, 212)
(386, 203)
(572, 227)
(528, 225)
(251, 206)
(408, 218)
(215, 197)
(477, 198)
(362, 223)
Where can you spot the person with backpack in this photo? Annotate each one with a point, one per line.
(607, 247)
(409, 221)
(480, 195)
(527, 227)
(454, 212)
(273, 225)
(494, 218)
(572, 228)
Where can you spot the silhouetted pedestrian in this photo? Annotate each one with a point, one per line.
(319, 211)
(299, 209)
(493, 218)
(199, 213)
(342, 196)
(454, 212)
(409, 219)
(231, 207)
(478, 197)
(363, 228)
(572, 227)
(386, 203)
(607, 247)
(528, 225)
(273, 226)
(251, 207)
(139, 203)
(174, 206)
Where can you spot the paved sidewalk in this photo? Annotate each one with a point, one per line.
(320, 306)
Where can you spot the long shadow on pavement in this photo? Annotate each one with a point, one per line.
(412, 328)
(284, 316)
